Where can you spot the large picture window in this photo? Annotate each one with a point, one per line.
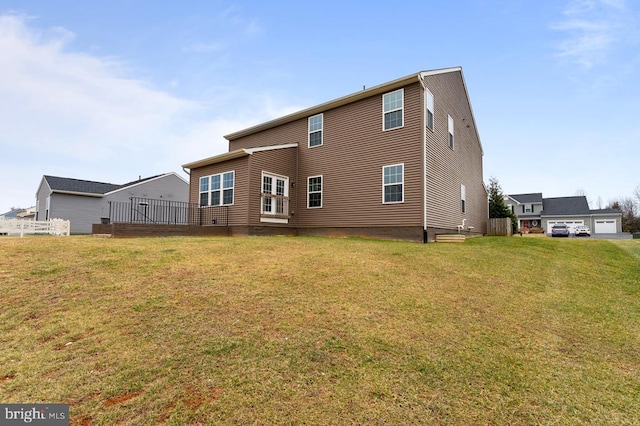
(217, 190)
(393, 184)
(314, 192)
(315, 130)
(393, 109)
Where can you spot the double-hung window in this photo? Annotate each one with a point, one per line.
(227, 188)
(315, 130)
(393, 109)
(463, 198)
(451, 138)
(314, 192)
(393, 184)
(217, 190)
(430, 110)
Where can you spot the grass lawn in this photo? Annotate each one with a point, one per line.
(282, 330)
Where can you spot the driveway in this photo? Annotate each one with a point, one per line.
(621, 236)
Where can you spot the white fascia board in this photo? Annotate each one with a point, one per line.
(216, 159)
(270, 148)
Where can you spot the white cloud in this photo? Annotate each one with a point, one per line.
(591, 30)
(77, 115)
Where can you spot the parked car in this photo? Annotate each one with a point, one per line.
(583, 230)
(560, 230)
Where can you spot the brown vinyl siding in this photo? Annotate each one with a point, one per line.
(350, 160)
(447, 169)
(279, 162)
(238, 212)
(294, 132)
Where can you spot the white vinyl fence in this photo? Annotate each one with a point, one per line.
(25, 226)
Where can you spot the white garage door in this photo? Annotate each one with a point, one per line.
(607, 226)
(570, 223)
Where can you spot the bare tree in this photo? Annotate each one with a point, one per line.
(628, 208)
(582, 193)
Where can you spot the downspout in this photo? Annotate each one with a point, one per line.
(297, 189)
(424, 161)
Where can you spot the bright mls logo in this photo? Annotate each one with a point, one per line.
(36, 414)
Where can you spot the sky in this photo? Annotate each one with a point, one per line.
(113, 90)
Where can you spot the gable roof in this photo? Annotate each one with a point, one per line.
(79, 186)
(90, 188)
(363, 94)
(11, 214)
(527, 198)
(565, 206)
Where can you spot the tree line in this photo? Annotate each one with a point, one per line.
(630, 208)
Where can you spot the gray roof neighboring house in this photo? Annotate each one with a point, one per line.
(79, 186)
(87, 187)
(12, 214)
(528, 198)
(565, 206)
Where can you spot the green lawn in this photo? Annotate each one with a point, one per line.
(284, 330)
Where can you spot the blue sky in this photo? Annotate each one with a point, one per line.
(113, 90)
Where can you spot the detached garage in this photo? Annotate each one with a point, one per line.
(575, 211)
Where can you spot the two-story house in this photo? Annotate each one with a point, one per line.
(534, 211)
(527, 208)
(400, 160)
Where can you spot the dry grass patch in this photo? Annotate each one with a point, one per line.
(322, 331)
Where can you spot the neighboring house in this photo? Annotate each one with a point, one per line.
(28, 213)
(574, 211)
(85, 202)
(533, 211)
(401, 160)
(527, 208)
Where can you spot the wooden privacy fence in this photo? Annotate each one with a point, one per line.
(25, 226)
(499, 226)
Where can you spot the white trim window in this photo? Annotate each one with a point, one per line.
(463, 198)
(217, 190)
(393, 184)
(315, 130)
(429, 110)
(393, 109)
(451, 137)
(314, 192)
